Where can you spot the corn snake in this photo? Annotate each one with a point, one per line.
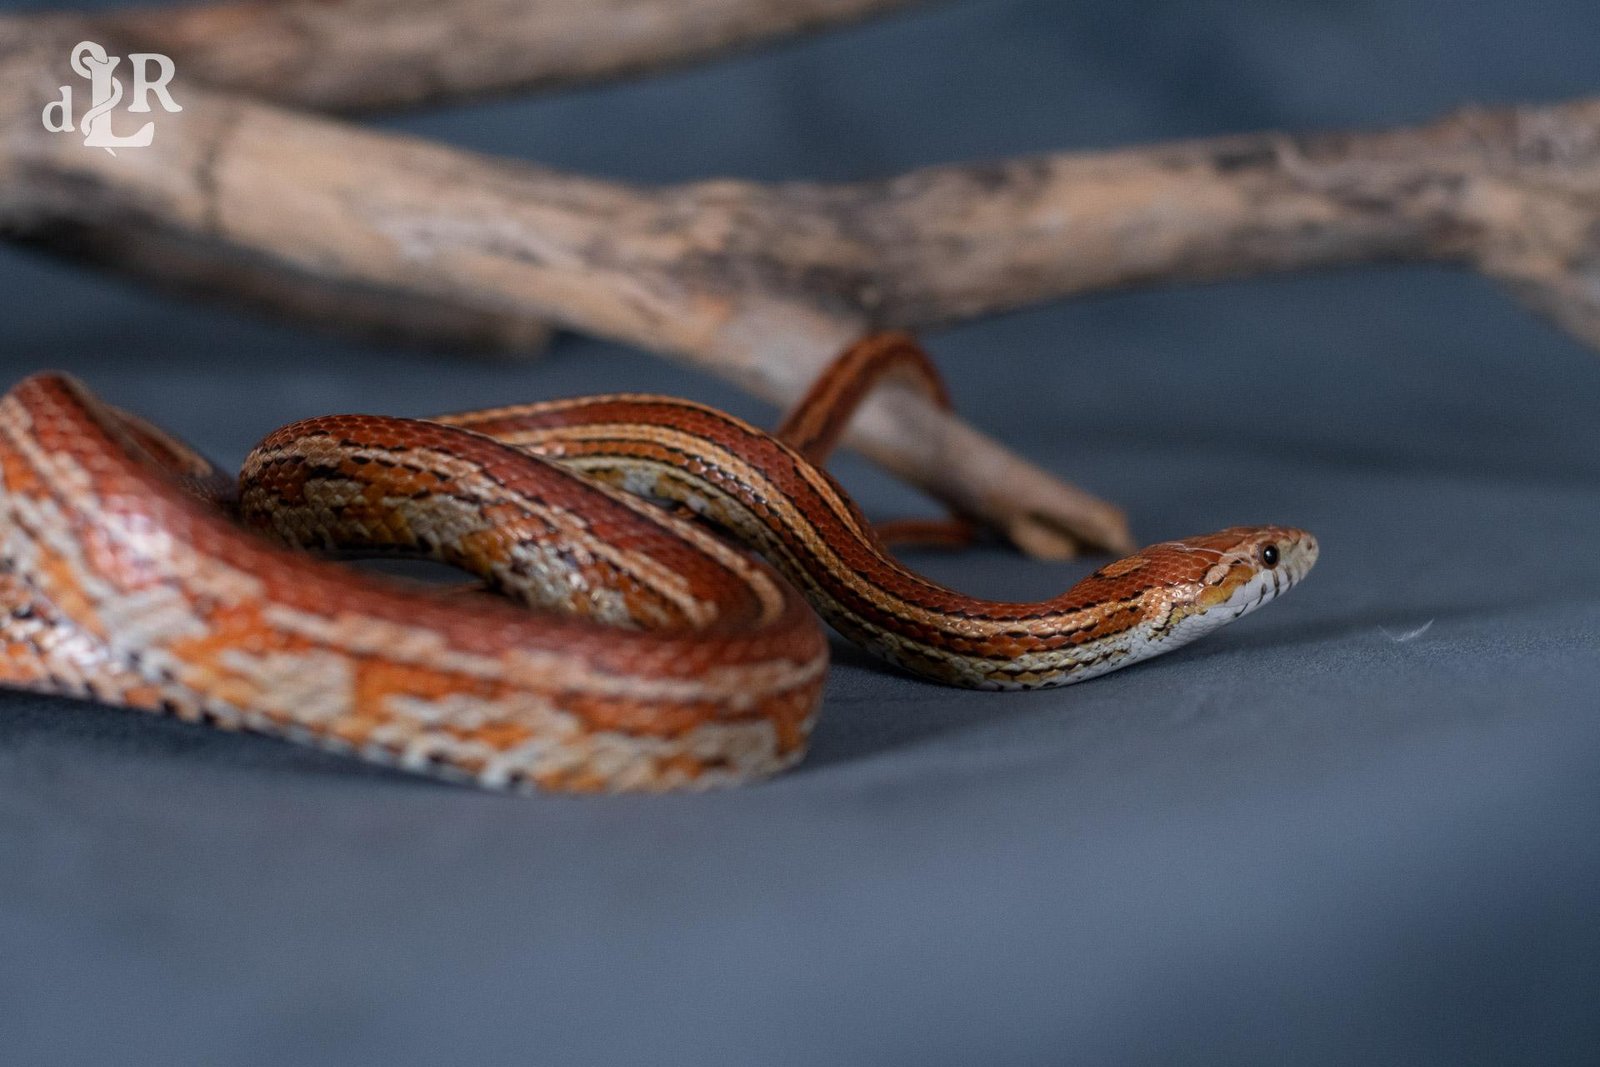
(656, 655)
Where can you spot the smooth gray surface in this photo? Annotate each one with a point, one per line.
(1307, 839)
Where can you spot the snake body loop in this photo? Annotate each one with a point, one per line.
(645, 653)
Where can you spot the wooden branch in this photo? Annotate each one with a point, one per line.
(188, 267)
(350, 55)
(342, 55)
(763, 284)
(306, 194)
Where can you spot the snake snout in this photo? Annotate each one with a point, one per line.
(1259, 564)
(1298, 550)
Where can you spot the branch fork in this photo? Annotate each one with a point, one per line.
(331, 223)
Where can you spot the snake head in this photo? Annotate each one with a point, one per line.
(1177, 591)
(1211, 580)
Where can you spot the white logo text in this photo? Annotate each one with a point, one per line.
(90, 61)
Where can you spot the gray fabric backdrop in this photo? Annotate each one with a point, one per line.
(1306, 839)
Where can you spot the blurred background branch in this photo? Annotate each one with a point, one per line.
(362, 55)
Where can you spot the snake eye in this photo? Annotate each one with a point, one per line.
(1269, 555)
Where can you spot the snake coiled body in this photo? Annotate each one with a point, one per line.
(645, 653)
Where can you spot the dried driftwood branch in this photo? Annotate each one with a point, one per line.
(349, 55)
(764, 283)
(188, 267)
(182, 193)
